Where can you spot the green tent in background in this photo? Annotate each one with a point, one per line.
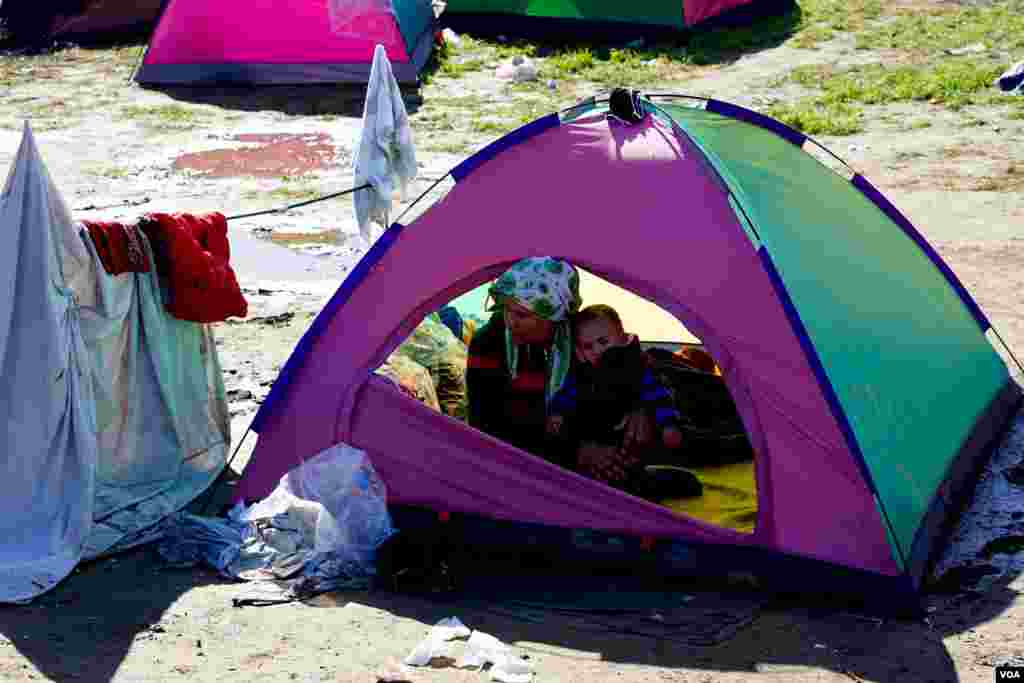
(668, 14)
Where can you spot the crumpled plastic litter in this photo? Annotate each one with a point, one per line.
(519, 69)
(436, 642)
(319, 529)
(451, 37)
(481, 649)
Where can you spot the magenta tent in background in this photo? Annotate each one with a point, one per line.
(294, 42)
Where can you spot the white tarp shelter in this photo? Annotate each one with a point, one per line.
(115, 413)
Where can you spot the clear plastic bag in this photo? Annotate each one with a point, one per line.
(337, 499)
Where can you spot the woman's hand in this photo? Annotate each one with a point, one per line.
(637, 431)
(604, 463)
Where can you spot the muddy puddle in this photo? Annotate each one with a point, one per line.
(266, 155)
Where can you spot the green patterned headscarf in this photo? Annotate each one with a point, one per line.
(550, 288)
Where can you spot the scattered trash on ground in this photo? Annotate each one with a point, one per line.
(318, 531)
(518, 69)
(451, 37)
(973, 49)
(482, 650)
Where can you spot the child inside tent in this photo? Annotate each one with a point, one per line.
(609, 402)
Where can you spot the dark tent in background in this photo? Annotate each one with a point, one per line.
(31, 22)
(107, 18)
(606, 19)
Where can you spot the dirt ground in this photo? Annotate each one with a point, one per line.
(116, 150)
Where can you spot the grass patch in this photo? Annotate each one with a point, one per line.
(434, 120)
(44, 114)
(114, 173)
(813, 117)
(954, 83)
(165, 115)
(456, 67)
(508, 50)
(1000, 25)
(453, 147)
(285, 193)
(609, 67)
(822, 20)
(489, 126)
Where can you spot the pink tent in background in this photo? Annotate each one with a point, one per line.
(293, 42)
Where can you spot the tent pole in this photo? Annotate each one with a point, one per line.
(1008, 350)
(227, 466)
(305, 203)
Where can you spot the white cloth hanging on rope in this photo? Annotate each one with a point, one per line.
(385, 156)
(48, 450)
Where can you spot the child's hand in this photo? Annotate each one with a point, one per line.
(604, 463)
(672, 437)
(554, 424)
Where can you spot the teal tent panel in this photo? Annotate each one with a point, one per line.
(471, 304)
(413, 17)
(911, 369)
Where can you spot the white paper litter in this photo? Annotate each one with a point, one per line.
(435, 644)
(481, 649)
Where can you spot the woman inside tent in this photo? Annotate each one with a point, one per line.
(521, 357)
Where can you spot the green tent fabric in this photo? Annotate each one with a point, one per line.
(625, 18)
(654, 12)
(910, 400)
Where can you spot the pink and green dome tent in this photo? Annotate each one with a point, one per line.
(665, 14)
(260, 42)
(861, 368)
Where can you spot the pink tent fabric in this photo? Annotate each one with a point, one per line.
(696, 11)
(265, 41)
(676, 241)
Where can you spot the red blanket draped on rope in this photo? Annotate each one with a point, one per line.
(192, 253)
(118, 247)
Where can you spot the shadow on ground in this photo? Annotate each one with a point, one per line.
(784, 637)
(295, 100)
(724, 39)
(83, 629)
